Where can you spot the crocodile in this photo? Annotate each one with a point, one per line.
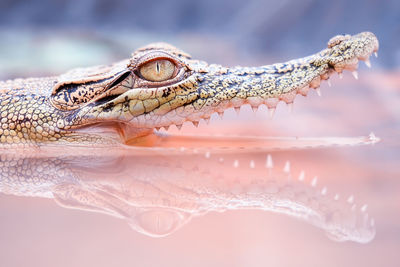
(157, 194)
(158, 86)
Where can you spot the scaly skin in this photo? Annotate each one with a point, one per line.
(112, 104)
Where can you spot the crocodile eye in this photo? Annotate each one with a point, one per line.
(158, 70)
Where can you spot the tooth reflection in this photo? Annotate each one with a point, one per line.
(158, 194)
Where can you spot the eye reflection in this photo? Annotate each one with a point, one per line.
(180, 187)
(158, 70)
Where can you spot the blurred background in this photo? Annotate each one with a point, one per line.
(46, 36)
(49, 37)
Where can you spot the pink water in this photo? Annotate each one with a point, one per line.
(37, 232)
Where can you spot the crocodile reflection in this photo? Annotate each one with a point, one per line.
(157, 194)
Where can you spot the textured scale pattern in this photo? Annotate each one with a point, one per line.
(62, 109)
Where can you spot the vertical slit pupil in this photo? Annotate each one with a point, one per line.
(158, 67)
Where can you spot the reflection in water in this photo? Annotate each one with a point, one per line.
(157, 193)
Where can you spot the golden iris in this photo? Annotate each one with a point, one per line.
(158, 70)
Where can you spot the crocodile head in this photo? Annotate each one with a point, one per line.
(161, 85)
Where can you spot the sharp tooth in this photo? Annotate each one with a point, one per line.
(329, 83)
(350, 199)
(355, 74)
(340, 75)
(324, 190)
(364, 208)
(303, 91)
(287, 167)
(368, 63)
(237, 109)
(269, 164)
(236, 163)
(290, 106)
(272, 102)
(271, 112)
(376, 54)
(288, 97)
(314, 181)
(179, 126)
(315, 82)
(252, 164)
(302, 175)
(318, 92)
(325, 76)
(338, 69)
